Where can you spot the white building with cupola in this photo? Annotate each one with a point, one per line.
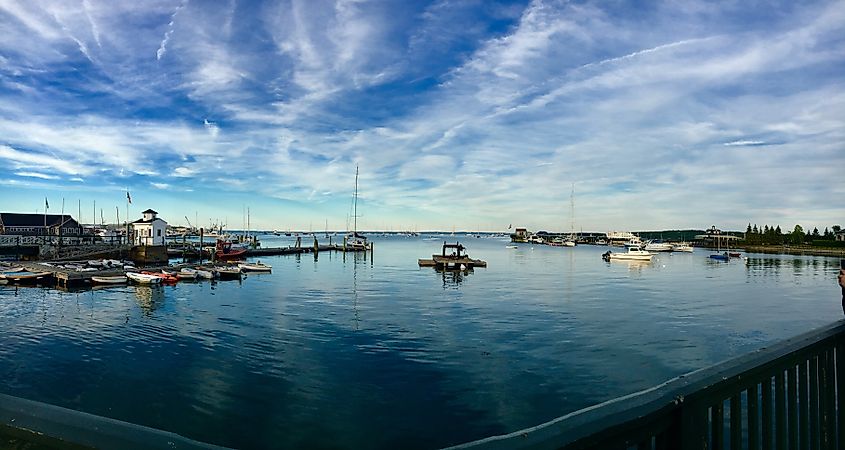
(149, 230)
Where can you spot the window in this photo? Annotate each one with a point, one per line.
(159, 232)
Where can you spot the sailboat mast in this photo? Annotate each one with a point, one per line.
(572, 213)
(355, 206)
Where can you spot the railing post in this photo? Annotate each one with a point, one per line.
(693, 420)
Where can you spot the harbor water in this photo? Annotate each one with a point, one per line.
(353, 351)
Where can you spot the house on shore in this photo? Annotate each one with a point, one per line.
(149, 230)
(39, 225)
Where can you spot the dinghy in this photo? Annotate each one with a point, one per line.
(143, 278)
(255, 267)
(119, 279)
(22, 277)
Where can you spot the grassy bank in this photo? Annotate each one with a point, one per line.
(796, 250)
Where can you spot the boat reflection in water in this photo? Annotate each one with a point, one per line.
(149, 298)
(453, 278)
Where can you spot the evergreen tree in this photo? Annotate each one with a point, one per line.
(778, 236)
(826, 235)
(798, 235)
(754, 230)
(816, 234)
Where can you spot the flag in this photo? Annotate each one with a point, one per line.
(46, 204)
(509, 226)
(128, 197)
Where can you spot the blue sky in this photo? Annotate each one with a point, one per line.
(468, 115)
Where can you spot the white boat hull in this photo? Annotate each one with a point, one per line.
(627, 257)
(143, 278)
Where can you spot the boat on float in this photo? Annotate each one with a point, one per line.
(682, 247)
(229, 272)
(456, 260)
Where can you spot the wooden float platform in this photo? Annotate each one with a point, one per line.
(451, 263)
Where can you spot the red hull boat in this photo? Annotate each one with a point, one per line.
(226, 253)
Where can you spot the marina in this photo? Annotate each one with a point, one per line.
(333, 343)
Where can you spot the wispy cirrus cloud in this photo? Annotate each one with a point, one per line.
(279, 101)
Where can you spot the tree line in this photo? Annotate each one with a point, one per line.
(774, 236)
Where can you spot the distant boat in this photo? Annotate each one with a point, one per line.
(682, 247)
(720, 256)
(657, 245)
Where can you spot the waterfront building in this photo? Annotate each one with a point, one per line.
(39, 225)
(520, 235)
(840, 236)
(149, 230)
(716, 238)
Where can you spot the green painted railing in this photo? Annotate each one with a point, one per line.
(787, 396)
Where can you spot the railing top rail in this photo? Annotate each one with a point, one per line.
(618, 412)
(59, 427)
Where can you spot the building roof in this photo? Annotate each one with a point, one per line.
(35, 220)
(142, 221)
(149, 211)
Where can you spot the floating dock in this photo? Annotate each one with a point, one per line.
(452, 261)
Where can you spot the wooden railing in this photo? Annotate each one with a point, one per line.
(787, 396)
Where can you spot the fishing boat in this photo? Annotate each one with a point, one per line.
(632, 253)
(118, 279)
(255, 267)
(225, 252)
(25, 276)
(143, 278)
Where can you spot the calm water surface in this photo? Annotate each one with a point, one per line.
(343, 352)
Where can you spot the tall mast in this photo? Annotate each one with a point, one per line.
(355, 207)
(572, 212)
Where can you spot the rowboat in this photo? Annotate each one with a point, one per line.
(143, 278)
(13, 270)
(22, 277)
(202, 272)
(165, 278)
(119, 279)
(255, 267)
(229, 273)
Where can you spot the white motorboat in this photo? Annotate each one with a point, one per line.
(682, 247)
(633, 253)
(255, 267)
(143, 278)
(656, 245)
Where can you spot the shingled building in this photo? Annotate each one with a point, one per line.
(39, 225)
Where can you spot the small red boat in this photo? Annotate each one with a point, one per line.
(225, 252)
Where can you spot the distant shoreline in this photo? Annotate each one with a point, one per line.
(795, 250)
